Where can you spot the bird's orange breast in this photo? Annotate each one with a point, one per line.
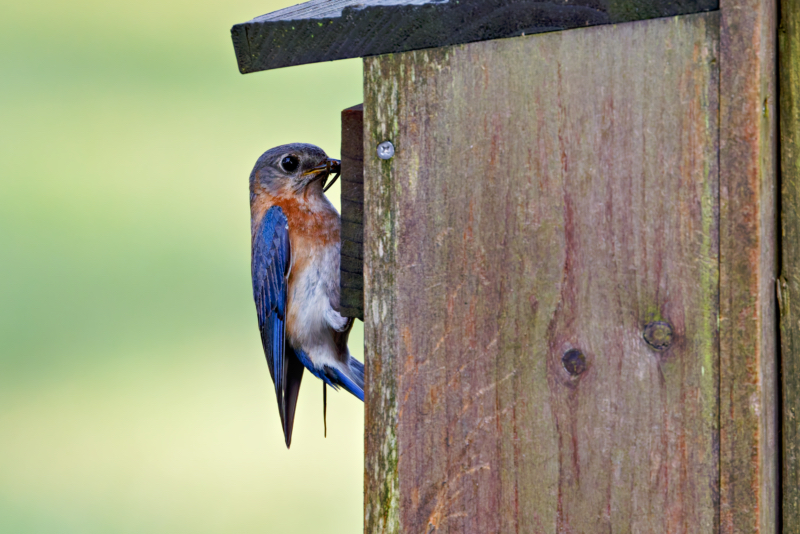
(313, 223)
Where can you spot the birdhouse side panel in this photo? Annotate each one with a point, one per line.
(748, 243)
(789, 282)
(542, 283)
(351, 302)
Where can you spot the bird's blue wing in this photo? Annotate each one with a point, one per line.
(270, 270)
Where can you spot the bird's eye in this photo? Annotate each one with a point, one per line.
(290, 163)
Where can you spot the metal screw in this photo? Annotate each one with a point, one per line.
(574, 362)
(658, 335)
(386, 150)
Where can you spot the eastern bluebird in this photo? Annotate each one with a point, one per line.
(295, 268)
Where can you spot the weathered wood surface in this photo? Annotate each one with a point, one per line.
(324, 30)
(748, 344)
(541, 274)
(351, 302)
(381, 291)
(789, 282)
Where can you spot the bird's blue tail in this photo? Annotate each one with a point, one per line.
(351, 378)
(352, 381)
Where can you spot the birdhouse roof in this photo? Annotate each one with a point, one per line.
(324, 30)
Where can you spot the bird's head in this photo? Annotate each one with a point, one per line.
(294, 169)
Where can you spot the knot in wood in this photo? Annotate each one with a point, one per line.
(658, 335)
(574, 362)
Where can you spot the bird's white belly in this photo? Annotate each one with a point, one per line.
(312, 318)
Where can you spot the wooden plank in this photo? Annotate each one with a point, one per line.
(351, 303)
(324, 30)
(541, 272)
(748, 352)
(381, 488)
(789, 282)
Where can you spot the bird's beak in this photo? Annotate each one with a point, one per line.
(325, 169)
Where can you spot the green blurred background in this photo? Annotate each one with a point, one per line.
(134, 395)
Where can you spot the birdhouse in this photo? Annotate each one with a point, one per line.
(561, 229)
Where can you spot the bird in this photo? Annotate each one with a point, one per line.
(295, 270)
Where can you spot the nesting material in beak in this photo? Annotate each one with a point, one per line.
(325, 169)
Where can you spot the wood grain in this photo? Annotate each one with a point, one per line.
(541, 278)
(381, 482)
(748, 351)
(324, 30)
(351, 302)
(789, 282)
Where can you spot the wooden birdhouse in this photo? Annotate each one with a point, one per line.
(562, 232)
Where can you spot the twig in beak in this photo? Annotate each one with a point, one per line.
(326, 187)
(331, 166)
(323, 170)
